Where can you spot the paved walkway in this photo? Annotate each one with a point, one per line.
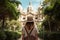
(21, 39)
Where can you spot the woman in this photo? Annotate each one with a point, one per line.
(29, 32)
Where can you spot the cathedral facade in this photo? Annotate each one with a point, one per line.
(36, 15)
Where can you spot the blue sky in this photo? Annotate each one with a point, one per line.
(35, 3)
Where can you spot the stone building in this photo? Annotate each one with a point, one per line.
(36, 15)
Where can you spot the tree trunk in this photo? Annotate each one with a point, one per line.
(49, 23)
(3, 18)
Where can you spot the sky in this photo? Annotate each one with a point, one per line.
(35, 3)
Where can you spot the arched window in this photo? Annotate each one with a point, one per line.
(36, 17)
(24, 18)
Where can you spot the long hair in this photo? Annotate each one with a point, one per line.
(29, 24)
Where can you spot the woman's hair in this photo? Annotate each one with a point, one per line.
(28, 24)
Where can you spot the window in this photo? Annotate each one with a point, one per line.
(23, 17)
(36, 17)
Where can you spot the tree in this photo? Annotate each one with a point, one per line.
(8, 9)
(53, 14)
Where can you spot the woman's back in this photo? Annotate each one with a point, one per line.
(30, 35)
(29, 32)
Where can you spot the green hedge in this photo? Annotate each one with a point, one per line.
(9, 35)
(12, 35)
(49, 35)
(2, 35)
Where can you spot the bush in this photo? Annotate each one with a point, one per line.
(12, 35)
(2, 35)
(49, 35)
(9, 35)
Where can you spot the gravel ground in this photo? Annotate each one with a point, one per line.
(21, 39)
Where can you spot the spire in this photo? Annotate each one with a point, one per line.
(30, 3)
(40, 2)
(30, 7)
(40, 5)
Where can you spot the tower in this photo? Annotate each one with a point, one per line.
(30, 7)
(40, 9)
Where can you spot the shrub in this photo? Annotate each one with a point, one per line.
(2, 35)
(12, 35)
(49, 35)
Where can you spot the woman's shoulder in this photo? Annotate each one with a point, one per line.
(36, 29)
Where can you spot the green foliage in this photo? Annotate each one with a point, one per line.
(2, 35)
(53, 9)
(17, 2)
(41, 33)
(12, 35)
(9, 8)
(46, 35)
(12, 10)
(48, 10)
(51, 36)
(13, 25)
(9, 35)
(52, 21)
(53, 16)
(56, 11)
